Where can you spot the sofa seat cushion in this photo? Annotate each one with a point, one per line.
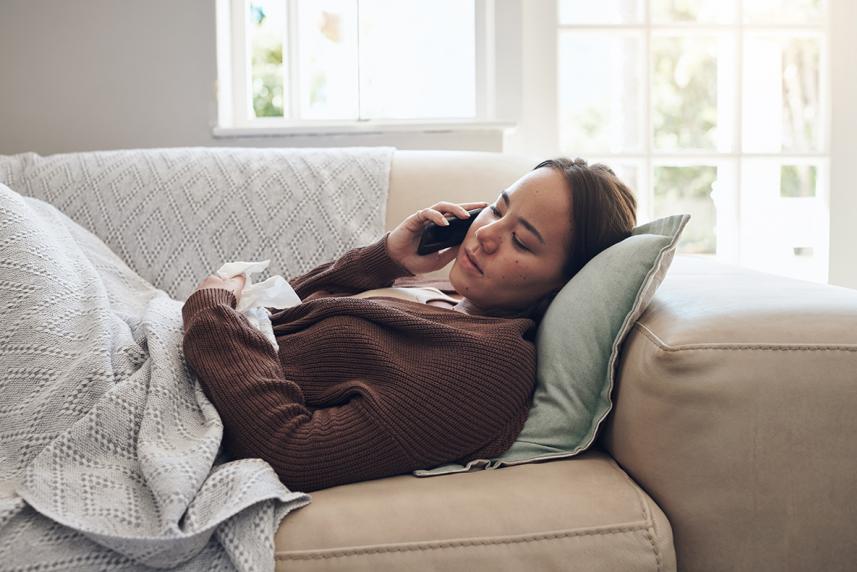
(537, 516)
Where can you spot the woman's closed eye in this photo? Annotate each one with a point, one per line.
(517, 242)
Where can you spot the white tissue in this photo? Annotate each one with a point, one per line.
(275, 292)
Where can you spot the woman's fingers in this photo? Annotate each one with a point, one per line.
(452, 208)
(458, 209)
(439, 211)
(431, 215)
(235, 284)
(475, 205)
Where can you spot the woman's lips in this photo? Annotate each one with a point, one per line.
(470, 263)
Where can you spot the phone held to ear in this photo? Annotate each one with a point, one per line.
(436, 237)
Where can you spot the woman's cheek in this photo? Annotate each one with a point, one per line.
(521, 271)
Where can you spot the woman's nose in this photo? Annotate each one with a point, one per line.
(487, 238)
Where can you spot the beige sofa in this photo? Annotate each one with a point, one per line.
(731, 445)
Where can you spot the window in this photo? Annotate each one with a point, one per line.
(310, 64)
(711, 107)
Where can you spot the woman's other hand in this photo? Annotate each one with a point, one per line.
(404, 239)
(234, 284)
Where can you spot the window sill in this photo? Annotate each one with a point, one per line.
(281, 129)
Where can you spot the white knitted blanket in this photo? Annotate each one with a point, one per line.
(109, 449)
(176, 215)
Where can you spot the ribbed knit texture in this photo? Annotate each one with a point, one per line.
(361, 388)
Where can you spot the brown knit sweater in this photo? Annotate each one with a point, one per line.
(361, 388)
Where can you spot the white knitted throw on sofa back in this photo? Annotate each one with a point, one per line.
(176, 215)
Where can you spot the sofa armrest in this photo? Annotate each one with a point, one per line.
(735, 408)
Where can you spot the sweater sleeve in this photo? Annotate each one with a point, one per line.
(359, 269)
(264, 414)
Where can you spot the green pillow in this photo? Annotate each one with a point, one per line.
(578, 344)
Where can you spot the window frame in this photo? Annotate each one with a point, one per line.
(648, 157)
(235, 116)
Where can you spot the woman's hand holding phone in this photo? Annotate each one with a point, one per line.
(403, 241)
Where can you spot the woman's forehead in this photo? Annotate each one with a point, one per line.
(538, 184)
(543, 198)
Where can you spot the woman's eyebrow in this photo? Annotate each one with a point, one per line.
(527, 224)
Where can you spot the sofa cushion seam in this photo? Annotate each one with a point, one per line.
(650, 527)
(652, 337)
(647, 515)
(438, 545)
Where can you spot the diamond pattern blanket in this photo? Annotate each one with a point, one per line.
(109, 450)
(176, 215)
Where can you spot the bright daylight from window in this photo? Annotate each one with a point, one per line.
(713, 107)
(710, 107)
(361, 59)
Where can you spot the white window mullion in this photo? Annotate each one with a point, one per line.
(824, 183)
(647, 193)
(292, 60)
(360, 116)
(225, 86)
(733, 251)
(485, 68)
(241, 110)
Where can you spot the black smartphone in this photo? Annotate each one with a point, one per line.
(436, 237)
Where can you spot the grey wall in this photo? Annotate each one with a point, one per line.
(117, 74)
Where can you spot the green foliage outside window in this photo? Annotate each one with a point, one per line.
(267, 66)
(688, 190)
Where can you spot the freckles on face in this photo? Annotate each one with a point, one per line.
(515, 276)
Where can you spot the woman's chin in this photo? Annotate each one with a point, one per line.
(462, 281)
(457, 277)
(454, 273)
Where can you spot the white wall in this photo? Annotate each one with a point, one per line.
(843, 145)
(110, 74)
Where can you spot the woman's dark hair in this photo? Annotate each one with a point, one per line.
(603, 212)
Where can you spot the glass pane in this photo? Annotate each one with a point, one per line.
(417, 58)
(600, 87)
(688, 189)
(328, 59)
(692, 92)
(704, 11)
(781, 93)
(783, 11)
(784, 224)
(601, 12)
(267, 31)
(798, 181)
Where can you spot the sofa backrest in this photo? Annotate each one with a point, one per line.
(175, 215)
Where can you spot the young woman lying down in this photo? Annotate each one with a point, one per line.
(371, 382)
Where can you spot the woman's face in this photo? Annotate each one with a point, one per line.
(516, 268)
